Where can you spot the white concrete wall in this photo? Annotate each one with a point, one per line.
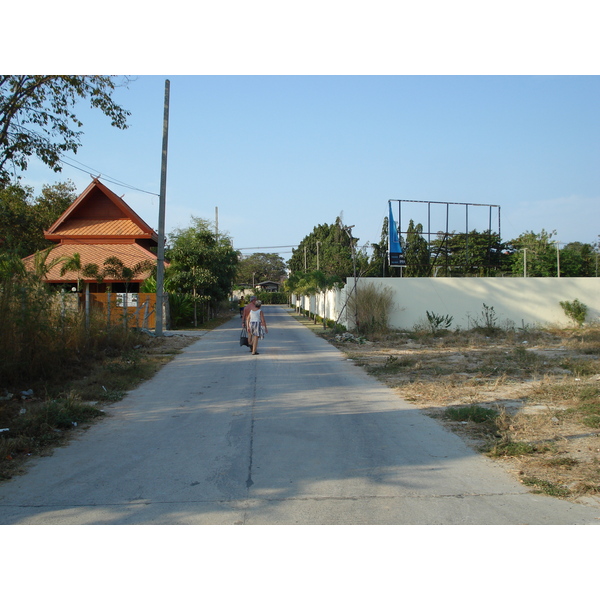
(516, 301)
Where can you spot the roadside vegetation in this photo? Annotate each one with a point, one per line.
(528, 398)
(59, 369)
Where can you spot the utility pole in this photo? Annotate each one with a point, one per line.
(217, 223)
(318, 244)
(160, 267)
(348, 230)
(557, 260)
(524, 262)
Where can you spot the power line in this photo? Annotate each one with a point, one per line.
(91, 170)
(268, 247)
(105, 177)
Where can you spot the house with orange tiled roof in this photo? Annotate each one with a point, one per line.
(97, 226)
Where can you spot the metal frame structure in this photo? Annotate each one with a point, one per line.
(447, 234)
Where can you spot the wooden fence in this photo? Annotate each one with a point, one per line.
(137, 310)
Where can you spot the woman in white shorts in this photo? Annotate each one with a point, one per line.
(256, 325)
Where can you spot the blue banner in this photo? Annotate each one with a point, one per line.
(396, 255)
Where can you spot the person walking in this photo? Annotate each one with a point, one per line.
(256, 325)
(245, 331)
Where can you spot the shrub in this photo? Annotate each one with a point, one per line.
(40, 340)
(576, 311)
(437, 322)
(477, 414)
(488, 325)
(370, 307)
(273, 297)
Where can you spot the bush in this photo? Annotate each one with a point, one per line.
(181, 309)
(40, 340)
(576, 311)
(273, 297)
(370, 306)
(476, 414)
(437, 322)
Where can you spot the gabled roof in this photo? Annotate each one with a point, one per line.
(99, 213)
(129, 254)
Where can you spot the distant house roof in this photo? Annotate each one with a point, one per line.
(268, 284)
(99, 225)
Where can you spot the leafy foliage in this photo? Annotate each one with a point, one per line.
(468, 254)
(328, 249)
(260, 266)
(202, 265)
(41, 340)
(24, 218)
(417, 252)
(437, 322)
(37, 116)
(576, 310)
(536, 253)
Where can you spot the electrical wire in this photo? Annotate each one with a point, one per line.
(89, 170)
(105, 177)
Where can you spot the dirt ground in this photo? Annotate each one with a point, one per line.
(542, 386)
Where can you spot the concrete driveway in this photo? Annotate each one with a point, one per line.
(296, 435)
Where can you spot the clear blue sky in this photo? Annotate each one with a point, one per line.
(280, 154)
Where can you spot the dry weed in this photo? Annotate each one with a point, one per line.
(544, 385)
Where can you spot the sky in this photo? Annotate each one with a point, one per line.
(280, 121)
(273, 156)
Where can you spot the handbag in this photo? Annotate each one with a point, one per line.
(244, 338)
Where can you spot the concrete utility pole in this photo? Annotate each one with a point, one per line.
(348, 230)
(160, 267)
(318, 244)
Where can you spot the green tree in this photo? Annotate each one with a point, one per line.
(578, 260)
(260, 266)
(201, 266)
(473, 254)
(417, 252)
(37, 116)
(24, 218)
(379, 262)
(312, 283)
(330, 249)
(537, 252)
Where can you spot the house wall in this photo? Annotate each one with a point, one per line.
(531, 301)
(141, 308)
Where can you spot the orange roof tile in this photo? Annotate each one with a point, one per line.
(98, 227)
(129, 254)
(98, 203)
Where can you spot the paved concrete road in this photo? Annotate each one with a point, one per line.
(296, 435)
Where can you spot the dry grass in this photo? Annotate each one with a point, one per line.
(543, 387)
(47, 418)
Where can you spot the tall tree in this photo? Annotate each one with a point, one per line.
(578, 260)
(202, 266)
(536, 252)
(417, 251)
(260, 266)
(469, 254)
(330, 249)
(37, 117)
